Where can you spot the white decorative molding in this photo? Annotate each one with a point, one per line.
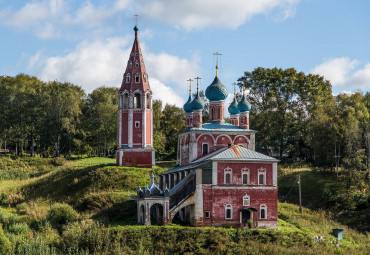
(246, 200)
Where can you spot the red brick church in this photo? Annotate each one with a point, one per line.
(220, 178)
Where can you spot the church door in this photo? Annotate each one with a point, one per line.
(246, 215)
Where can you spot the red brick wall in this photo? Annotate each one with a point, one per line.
(137, 132)
(237, 172)
(148, 127)
(124, 128)
(142, 158)
(215, 200)
(204, 139)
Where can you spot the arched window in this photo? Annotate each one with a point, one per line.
(128, 78)
(261, 176)
(125, 101)
(144, 76)
(137, 78)
(205, 148)
(245, 176)
(136, 63)
(228, 212)
(130, 64)
(228, 175)
(137, 101)
(263, 212)
(148, 101)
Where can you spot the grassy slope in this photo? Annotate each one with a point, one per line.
(98, 189)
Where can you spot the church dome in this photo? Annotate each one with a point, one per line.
(198, 103)
(187, 106)
(233, 107)
(216, 91)
(244, 105)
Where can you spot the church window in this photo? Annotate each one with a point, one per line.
(263, 212)
(245, 175)
(137, 124)
(148, 101)
(208, 214)
(218, 114)
(205, 148)
(137, 101)
(228, 212)
(227, 175)
(136, 63)
(261, 176)
(128, 78)
(144, 76)
(125, 101)
(245, 178)
(137, 78)
(130, 64)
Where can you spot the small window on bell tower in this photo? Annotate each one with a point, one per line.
(137, 78)
(128, 78)
(130, 64)
(136, 63)
(137, 101)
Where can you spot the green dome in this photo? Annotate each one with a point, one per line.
(244, 105)
(197, 103)
(187, 106)
(233, 107)
(216, 91)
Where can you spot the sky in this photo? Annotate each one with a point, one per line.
(87, 43)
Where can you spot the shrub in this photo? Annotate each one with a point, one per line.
(58, 161)
(19, 228)
(61, 214)
(5, 245)
(22, 208)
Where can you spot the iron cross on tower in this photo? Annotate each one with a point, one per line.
(190, 81)
(197, 78)
(217, 54)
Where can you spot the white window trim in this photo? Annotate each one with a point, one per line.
(137, 75)
(263, 206)
(128, 78)
(246, 171)
(229, 206)
(228, 170)
(261, 171)
(136, 64)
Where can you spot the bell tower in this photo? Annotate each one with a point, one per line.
(135, 113)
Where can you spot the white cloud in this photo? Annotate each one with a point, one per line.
(195, 14)
(345, 74)
(43, 17)
(97, 63)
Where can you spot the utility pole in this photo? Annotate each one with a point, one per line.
(299, 193)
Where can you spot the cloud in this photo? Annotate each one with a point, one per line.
(345, 74)
(51, 19)
(194, 14)
(95, 63)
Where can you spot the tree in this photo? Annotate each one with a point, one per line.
(101, 119)
(282, 103)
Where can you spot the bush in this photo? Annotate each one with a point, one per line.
(22, 208)
(61, 214)
(19, 228)
(58, 161)
(5, 245)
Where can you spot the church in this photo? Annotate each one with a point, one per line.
(219, 180)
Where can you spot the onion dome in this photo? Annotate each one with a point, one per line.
(197, 104)
(233, 107)
(216, 91)
(244, 105)
(187, 106)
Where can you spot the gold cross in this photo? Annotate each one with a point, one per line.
(217, 54)
(190, 80)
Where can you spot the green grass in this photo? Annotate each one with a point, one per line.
(98, 190)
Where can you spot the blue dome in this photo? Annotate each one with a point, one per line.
(187, 106)
(216, 91)
(233, 107)
(244, 105)
(197, 103)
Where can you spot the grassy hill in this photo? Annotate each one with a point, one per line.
(98, 192)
